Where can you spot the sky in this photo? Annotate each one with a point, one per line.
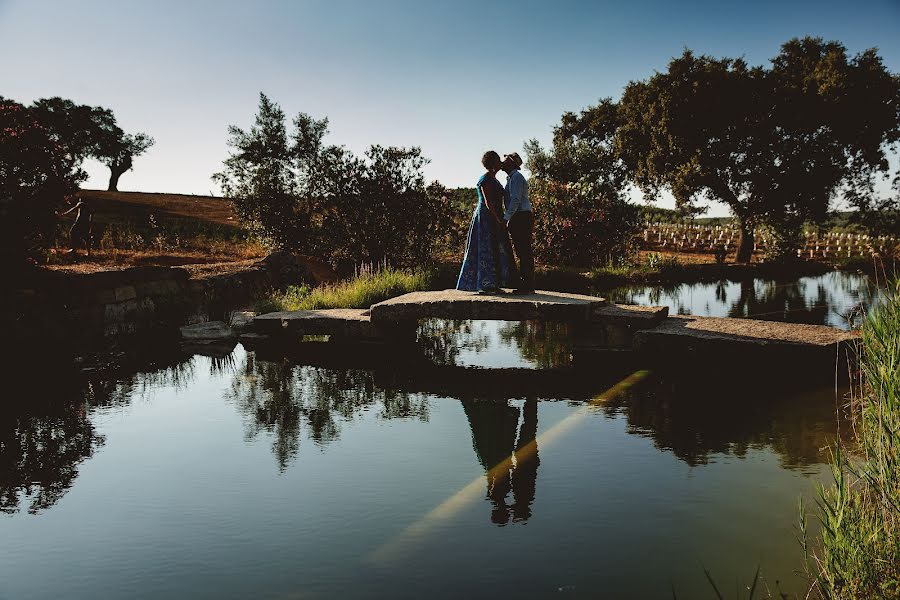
(454, 78)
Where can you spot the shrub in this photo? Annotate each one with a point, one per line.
(36, 173)
(578, 226)
(298, 194)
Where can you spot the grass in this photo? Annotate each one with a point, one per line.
(859, 555)
(366, 288)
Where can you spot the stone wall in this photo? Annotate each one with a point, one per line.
(69, 312)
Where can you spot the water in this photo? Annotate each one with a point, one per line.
(829, 299)
(241, 477)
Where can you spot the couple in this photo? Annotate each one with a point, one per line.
(501, 214)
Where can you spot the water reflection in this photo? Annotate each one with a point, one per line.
(44, 437)
(46, 429)
(282, 398)
(831, 299)
(498, 431)
(698, 424)
(496, 344)
(42, 441)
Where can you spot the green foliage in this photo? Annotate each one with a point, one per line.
(300, 194)
(91, 131)
(860, 512)
(368, 287)
(36, 173)
(578, 190)
(776, 145)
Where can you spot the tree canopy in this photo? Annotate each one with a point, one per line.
(91, 132)
(778, 145)
(37, 170)
(298, 193)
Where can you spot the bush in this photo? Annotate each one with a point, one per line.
(577, 226)
(36, 174)
(298, 194)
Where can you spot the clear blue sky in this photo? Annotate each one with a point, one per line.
(454, 78)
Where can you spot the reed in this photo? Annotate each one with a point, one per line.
(859, 553)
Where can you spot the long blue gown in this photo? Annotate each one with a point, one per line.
(488, 262)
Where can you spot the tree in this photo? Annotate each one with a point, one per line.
(260, 177)
(381, 208)
(579, 192)
(36, 173)
(776, 145)
(300, 194)
(91, 132)
(119, 152)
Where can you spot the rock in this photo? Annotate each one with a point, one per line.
(213, 330)
(241, 319)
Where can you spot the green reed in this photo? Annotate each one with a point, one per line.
(859, 553)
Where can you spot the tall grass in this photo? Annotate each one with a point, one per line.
(367, 287)
(860, 512)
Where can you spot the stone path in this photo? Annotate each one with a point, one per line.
(454, 304)
(600, 327)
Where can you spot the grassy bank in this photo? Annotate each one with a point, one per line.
(860, 512)
(361, 291)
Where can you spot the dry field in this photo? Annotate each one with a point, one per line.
(138, 229)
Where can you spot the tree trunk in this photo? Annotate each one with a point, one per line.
(745, 243)
(114, 175)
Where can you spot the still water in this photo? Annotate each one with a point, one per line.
(829, 299)
(242, 477)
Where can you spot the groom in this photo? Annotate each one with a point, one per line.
(519, 220)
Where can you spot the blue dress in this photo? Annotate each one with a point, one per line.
(488, 262)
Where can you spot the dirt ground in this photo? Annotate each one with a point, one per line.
(115, 260)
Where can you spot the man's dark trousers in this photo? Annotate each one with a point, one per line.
(521, 227)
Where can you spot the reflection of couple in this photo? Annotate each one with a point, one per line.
(501, 214)
(510, 460)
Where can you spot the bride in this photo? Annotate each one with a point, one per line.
(488, 265)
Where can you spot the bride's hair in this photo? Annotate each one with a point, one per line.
(490, 159)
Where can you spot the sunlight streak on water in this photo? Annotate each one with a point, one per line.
(404, 543)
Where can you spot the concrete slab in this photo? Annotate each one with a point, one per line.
(614, 325)
(747, 331)
(341, 322)
(710, 344)
(454, 304)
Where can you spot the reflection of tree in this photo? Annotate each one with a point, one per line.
(42, 440)
(696, 423)
(546, 344)
(793, 301)
(774, 301)
(442, 339)
(45, 435)
(281, 398)
(510, 461)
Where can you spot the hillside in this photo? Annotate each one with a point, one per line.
(138, 206)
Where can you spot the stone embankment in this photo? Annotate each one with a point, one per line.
(70, 312)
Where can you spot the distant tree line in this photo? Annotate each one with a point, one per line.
(778, 145)
(300, 194)
(42, 149)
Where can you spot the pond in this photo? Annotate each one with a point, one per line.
(831, 299)
(246, 476)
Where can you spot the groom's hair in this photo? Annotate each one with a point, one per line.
(490, 159)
